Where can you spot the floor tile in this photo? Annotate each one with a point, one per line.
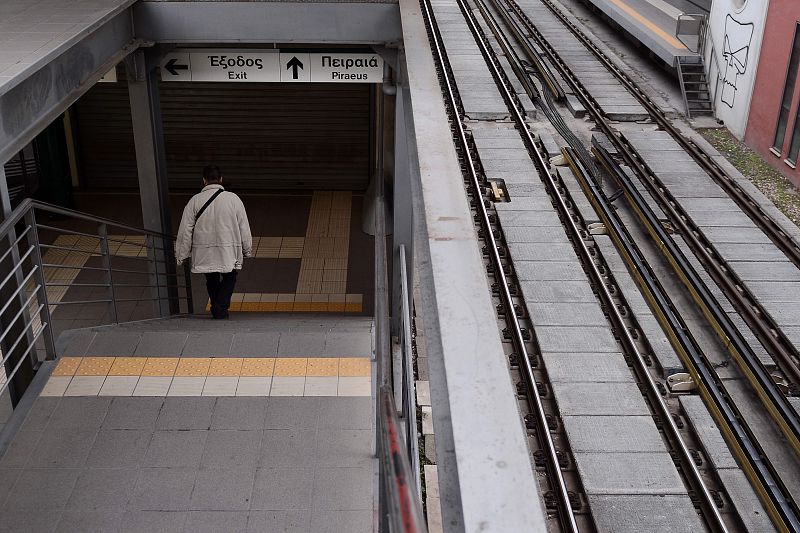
(42, 521)
(290, 413)
(239, 413)
(291, 366)
(208, 344)
(343, 488)
(152, 521)
(287, 386)
(355, 367)
(232, 449)
(186, 413)
(262, 344)
(193, 366)
(118, 386)
(163, 489)
(344, 447)
(133, 413)
(20, 449)
(351, 386)
(253, 386)
(300, 344)
(321, 386)
(104, 521)
(64, 448)
(80, 413)
(85, 386)
(160, 366)
(175, 449)
(56, 386)
(346, 412)
(288, 448)
(225, 367)
(152, 386)
(40, 489)
(283, 488)
(94, 366)
(216, 522)
(66, 366)
(222, 489)
(186, 386)
(103, 488)
(323, 521)
(127, 366)
(161, 344)
(258, 367)
(220, 386)
(39, 415)
(118, 448)
(322, 367)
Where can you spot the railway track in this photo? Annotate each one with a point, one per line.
(762, 474)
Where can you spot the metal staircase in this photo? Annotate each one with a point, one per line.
(691, 31)
(694, 86)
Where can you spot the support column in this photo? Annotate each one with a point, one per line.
(403, 212)
(151, 165)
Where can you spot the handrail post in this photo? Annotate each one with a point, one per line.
(105, 253)
(41, 295)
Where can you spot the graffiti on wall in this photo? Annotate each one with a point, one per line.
(735, 52)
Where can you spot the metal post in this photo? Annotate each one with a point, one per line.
(106, 258)
(402, 208)
(152, 169)
(44, 315)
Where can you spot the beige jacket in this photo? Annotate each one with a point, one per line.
(220, 239)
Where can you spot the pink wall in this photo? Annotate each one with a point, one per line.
(782, 19)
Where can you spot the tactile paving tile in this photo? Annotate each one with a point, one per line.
(291, 367)
(225, 366)
(127, 366)
(322, 366)
(67, 366)
(261, 367)
(94, 366)
(355, 367)
(193, 366)
(160, 366)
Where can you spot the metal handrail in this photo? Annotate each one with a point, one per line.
(27, 306)
(700, 19)
(403, 504)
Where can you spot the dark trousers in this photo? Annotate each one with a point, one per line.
(220, 289)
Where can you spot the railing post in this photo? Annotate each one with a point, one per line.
(106, 258)
(409, 400)
(41, 295)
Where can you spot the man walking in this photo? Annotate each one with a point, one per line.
(215, 233)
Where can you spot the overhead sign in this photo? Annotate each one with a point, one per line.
(271, 66)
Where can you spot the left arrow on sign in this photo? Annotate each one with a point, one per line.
(173, 68)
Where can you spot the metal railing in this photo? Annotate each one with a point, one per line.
(400, 493)
(692, 25)
(77, 267)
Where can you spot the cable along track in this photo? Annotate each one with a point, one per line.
(775, 496)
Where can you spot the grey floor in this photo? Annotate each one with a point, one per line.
(191, 464)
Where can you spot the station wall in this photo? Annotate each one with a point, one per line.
(262, 135)
(773, 129)
(733, 45)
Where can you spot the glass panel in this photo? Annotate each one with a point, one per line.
(788, 93)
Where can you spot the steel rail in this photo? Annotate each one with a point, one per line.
(760, 471)
(556, 477)
(688, 465)
(783, 241)
(756, 317)
(774, 401)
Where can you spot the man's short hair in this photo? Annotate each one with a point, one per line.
(212, 174)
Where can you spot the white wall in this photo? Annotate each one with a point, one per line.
(733, 47)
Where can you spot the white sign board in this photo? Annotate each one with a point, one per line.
(271, 66)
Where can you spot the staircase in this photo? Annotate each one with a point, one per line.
(694, 86)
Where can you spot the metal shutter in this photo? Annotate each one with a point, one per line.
(263, 136)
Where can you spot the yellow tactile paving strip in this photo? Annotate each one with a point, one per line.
(288, 302)
(217, 376)
(323, 269)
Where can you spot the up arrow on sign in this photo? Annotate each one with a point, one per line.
(294, 64)
(295, 67)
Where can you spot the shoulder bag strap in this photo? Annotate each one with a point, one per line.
(208, 203)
